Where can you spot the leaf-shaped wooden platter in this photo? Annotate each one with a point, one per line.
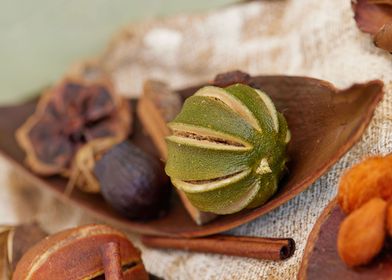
(324, 122)
(321, 260)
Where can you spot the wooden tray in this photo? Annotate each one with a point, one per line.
(324, 122)
(321, 260)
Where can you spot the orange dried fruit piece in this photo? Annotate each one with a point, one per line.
(361, 235)
(364, 181)
(389, 218)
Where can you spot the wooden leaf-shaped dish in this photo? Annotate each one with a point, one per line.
(321, 260)
(324, 122)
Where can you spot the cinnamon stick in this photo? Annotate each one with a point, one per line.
(111, 260)
(242, 246)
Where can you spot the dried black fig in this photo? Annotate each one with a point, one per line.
(133, 182)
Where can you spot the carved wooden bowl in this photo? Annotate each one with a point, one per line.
(325, 123)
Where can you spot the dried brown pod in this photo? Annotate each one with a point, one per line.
(157, 106)
(69, 115)
(14, 242)
(82, 174)
(362, 234)
(76, 254)
(370, 17)
(383, 38)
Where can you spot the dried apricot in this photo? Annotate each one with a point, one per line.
(362, 234)
(364, 181)
(389, 218)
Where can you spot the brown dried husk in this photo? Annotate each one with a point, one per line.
(82, 174)
(117, 123)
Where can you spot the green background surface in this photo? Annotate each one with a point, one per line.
(40, 39)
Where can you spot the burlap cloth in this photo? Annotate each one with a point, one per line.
(307, 37)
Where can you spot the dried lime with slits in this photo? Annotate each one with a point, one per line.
(228, 148)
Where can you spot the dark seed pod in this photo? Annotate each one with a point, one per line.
(133, 182)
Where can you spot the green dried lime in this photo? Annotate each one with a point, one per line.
(228, 148)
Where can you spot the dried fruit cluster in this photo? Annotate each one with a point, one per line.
(365, 194)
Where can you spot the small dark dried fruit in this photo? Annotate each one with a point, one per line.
(68, 116)
(133, 182)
